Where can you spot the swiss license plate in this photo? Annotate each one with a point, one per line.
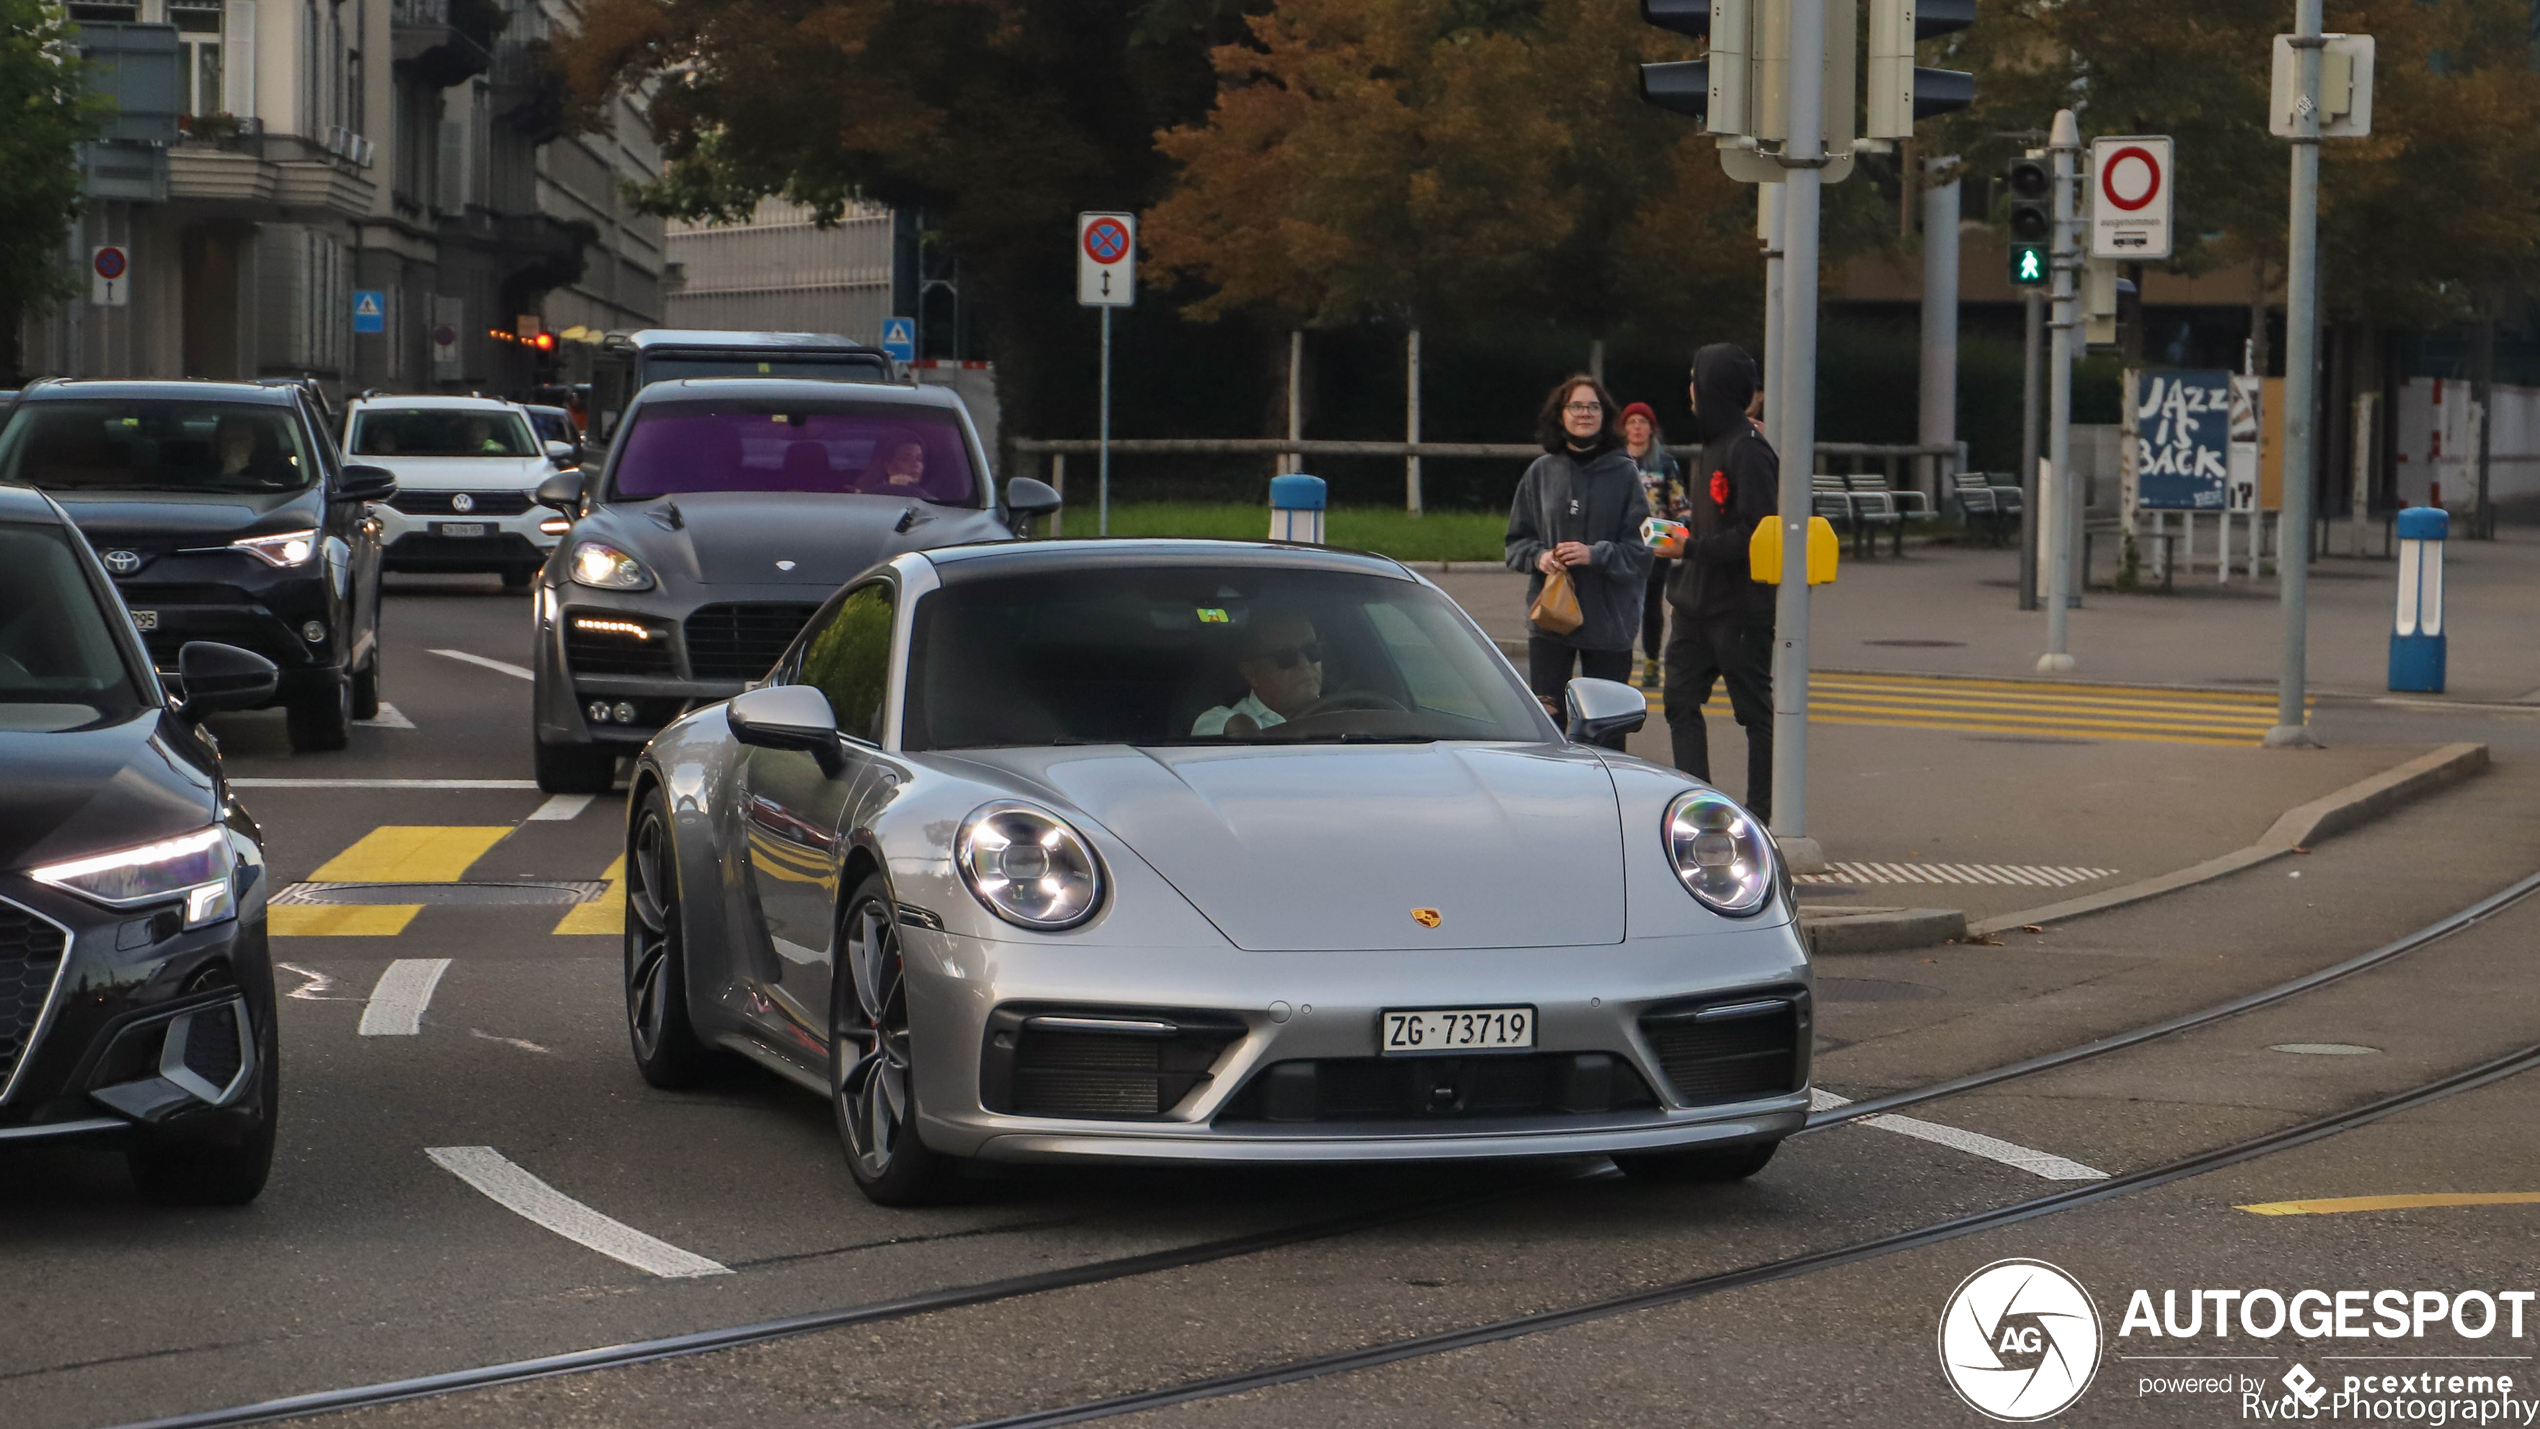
(459, 528)
(145, 619)
(1426, 1032)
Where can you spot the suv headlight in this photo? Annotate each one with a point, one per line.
(605, 567)
(290, 548)
(1722, 855)
(1028, 866)
(195, 867)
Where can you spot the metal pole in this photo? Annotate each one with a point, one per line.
(1940, 323)
(2065, 143)
(2031, 391)
(2301, 363)
(1773, 224)
(1411, 424)
(1804, 152)
(1102, 523)
(1292, 461)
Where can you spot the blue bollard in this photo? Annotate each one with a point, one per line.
(1296, 508)
(2416, 639)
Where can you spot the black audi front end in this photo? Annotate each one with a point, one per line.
(136, 989)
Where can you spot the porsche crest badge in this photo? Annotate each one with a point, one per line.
(1427, 917)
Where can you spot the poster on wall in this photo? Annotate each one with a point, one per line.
(2182, 439)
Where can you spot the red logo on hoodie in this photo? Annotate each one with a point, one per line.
(1719, 488)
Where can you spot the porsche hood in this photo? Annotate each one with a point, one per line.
(740, 538)
(1340, 848)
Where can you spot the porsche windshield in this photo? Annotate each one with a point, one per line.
(873, 448)
(229, 448)
(1198, 656)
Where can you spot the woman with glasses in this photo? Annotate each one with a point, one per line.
(1578, 510)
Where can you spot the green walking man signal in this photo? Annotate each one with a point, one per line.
(2029, 265)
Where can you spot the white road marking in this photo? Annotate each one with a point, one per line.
(497, 666)
(314, 990)
(384, 783)
(560, 807)
(509, 1041)
(404, 991)
(389, 717)
(534, 1200)
(2045, 1164)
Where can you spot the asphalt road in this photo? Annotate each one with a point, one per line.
(370, 1258)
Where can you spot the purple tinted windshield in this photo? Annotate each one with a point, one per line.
(871, 448)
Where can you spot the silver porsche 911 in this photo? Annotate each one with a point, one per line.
(1183, 850)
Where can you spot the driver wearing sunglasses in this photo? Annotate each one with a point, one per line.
(1282, 661)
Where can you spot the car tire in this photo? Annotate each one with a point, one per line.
(516, 579)
(872, 1081)
(1700, 1166)
(574, 768)
(321, 720)
(667, 1051)
(171, 1172)
(366, 688)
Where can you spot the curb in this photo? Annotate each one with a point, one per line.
(2358, 803)
(1878, 930)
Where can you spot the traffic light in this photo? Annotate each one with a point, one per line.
(545, 342)
(2032, 188)
(1901, 91)
(1685, 86)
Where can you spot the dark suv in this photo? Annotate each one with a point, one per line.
(224, 513)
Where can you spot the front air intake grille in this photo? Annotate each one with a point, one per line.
(212, 1049)
(1098, 1064)
(445, 503)
(31, 952)
(741, 642)
(1731, 1050)
(609, 645)
(1423, 1089)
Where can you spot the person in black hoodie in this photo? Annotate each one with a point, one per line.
(1724, 618)
(1579, 507)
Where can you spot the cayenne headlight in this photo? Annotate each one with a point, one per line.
(606, 567)
(194, 867)
(291, 548)
(1721, 853)
(1028, 866)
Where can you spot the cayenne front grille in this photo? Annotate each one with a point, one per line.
(742, 641)
(1414, 1089)
(31, 952)
(444, 503)
(1731, 1050)
(1099, 1065)
(614, 645)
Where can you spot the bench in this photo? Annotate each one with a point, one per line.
(1986, 505)
(1863, 513)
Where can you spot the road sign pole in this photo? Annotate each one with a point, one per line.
(1773, 224)
(1797, 382)
(2065, 142)
(2030, 442)
(1102, 514)
(2301, 357)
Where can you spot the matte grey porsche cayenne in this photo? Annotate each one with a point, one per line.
(1180, 850)
(727, 511)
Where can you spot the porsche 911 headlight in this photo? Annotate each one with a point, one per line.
(608, 568)
(1028, 866)
(194, 867)
(1720, 852)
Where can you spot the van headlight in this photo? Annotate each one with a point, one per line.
(1721, 854)
(1028, 866)
(605, 567)
(194, 867)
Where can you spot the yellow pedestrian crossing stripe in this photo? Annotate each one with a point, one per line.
(392, 853)
(605, 914)
(2034, 707)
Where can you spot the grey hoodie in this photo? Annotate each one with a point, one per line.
(1601, 504)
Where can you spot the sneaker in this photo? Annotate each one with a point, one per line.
(1650, 675)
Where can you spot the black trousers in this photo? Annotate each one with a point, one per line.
(1737, 651)
(1653, 612)
(1549, 664)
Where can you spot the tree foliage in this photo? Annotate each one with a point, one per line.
(45, 112)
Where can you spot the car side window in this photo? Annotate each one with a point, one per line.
(849, 659)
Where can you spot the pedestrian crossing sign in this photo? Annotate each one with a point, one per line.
(2028, 265)
(370, 310)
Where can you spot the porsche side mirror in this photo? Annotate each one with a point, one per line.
(367, 483)
(562, 452)
(1025, 496)
(1601, 709)
(222, 677)
(795, 717)
(563, 491)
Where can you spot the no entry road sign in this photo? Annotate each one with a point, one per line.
(110, 280)
(2130, 197)
(1106, 259)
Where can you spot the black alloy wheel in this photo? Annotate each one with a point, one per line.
(667, 1051)
(184, 1172)
(873, 1089)
(366, 686)
(1702, 1165)
(320, 721)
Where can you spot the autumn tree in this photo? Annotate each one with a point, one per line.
(45, 112)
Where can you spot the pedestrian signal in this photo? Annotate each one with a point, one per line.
(2029, 265)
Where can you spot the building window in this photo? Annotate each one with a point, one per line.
(198, 41)
(106, 14)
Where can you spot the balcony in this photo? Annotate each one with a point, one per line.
(441, 42)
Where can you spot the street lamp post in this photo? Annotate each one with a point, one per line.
(2301, 362)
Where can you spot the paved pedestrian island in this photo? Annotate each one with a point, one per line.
(2038, 707)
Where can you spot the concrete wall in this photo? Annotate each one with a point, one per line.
(778, 272)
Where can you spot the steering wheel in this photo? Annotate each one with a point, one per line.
(1352, 700)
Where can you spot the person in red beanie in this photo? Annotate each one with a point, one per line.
(1663, 481)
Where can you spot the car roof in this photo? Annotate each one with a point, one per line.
(646, 338)
(794, 389)
(126, 389)
(1116, 553)
(438, 402)
(542, 407)
(25, 503)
